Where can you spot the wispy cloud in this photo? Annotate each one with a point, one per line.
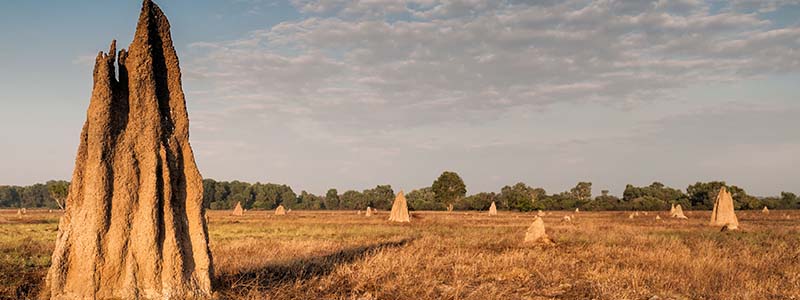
(364, 75)
(86, 60)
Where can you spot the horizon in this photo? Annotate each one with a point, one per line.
(319, 95)
(596, 192)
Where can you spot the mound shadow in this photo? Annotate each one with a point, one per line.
(273, 275)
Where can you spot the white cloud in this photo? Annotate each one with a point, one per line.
(84, 59)
(362, 75)
(762, 6)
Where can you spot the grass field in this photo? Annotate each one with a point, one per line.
(343, 255)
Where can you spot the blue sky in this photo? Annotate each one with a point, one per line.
(351, 94)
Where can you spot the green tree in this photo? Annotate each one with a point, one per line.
(655, 190)
(36, 195)
(479, 201)
(382, 197)
(703, 194)
(332, 199)
(604, 202)
(9, 196)
(423, 199)
(58, 192)
(209, 191)
(261, 196)
(538, 193)
(352, 200)
(239, 198)
(789, 200)
(449, 188)
(648, 203)
(560, 201)
(307, 200)
(241, 192)
(582, 191)
(221, 192)
(288, 197)
(519, 197)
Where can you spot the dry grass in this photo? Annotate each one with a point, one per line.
(342, 255)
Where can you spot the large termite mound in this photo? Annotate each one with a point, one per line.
(134, 226)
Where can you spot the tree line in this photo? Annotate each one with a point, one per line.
(448, 190)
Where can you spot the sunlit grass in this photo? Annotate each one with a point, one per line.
(342, 255)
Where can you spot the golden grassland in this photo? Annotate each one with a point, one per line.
(465, 255)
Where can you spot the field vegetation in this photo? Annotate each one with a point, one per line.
(464, 255)
(446, 191)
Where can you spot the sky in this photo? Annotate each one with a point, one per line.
(351, 94)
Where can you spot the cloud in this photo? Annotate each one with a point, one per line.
(761, 6)
(84, 60)
(457, 56)
(363, 75)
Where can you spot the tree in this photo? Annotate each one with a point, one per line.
(58, 191)
(423, 199)
(382, 197)
(604, 202)
(582, 191)
(209, 191)
(307, 200)
(519, 197)
(749, 202)
(221, 192)
(270, 195)
(703, 194)
(789, 200)
(648, 203)
(263, 196)
(479, 201)
(656, 190)
(288, 197)
(9, 196)
(36, 195)
(560, 201)
(448, 188)
(332, 199)
(352, 200)
(241, 192)
(538, 194)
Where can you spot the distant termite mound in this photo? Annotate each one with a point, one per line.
(238, 210)
(400, 209)
(134, 226)
(723, 213)
(678, 213)
(493, 209)
(536, 232)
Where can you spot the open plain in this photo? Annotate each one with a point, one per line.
(464, 255)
